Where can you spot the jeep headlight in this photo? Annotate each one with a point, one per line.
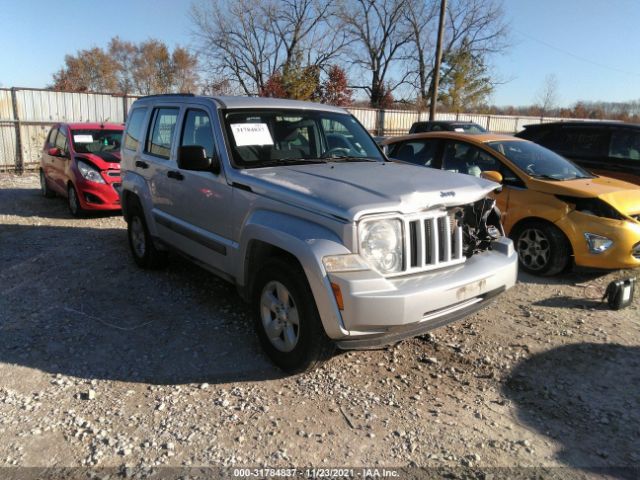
(381, 244)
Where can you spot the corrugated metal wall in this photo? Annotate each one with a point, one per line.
(7, 132)
(38, 110)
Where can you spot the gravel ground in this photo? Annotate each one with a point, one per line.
(102, 364)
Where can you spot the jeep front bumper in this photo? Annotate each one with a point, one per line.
(380, 311)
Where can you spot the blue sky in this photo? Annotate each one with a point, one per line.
(590, 45)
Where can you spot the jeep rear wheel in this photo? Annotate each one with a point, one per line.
(287, 320)
(144, 252)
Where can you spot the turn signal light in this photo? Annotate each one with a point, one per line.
(337, 293)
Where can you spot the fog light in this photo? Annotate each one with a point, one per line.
(597, 243)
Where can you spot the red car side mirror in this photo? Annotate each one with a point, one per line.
(54, 152)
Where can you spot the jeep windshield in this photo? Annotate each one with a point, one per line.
(260, 138)
(538, 161)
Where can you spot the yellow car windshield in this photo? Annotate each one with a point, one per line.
(538, 161)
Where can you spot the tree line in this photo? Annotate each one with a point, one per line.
(324, 50)
(386, 46)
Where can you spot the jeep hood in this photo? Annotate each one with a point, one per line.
(350, 190)
(623, 196)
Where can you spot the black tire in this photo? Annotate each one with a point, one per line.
(73, 202)
(542, 248)
(312, 347)
(44, 186)
(143, 250)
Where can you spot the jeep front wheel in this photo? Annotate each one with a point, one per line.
(287, 320)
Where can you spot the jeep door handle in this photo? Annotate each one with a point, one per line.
(175, 175)
(141, 164)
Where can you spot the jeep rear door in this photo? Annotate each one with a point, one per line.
(156, 162)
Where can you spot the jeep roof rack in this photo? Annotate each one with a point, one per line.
(170, 95)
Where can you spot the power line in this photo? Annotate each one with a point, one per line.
(577, 57)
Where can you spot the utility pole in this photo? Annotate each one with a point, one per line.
(436, 70)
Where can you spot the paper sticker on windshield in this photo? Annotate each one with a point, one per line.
(251, 134)
(458, 129)
(83, 138)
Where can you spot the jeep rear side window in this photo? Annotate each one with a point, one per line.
(197, 131)
(134, 129)
(164, 124)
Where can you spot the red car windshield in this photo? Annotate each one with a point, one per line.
(96, 141)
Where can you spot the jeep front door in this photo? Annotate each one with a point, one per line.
(202, 199)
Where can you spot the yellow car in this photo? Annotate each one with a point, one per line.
(553, 209)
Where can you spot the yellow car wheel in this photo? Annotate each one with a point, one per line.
(542, 248)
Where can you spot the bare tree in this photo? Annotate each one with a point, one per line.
(421, 18)
(249, 41)
(378, 35)
(547, 97)
(477, 24)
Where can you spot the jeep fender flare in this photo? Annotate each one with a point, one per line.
(308, 242)
(136, 185)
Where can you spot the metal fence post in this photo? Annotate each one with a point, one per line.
(380, 122)
(124, 108)
(16, 116)
(488, 122)
(515, 126)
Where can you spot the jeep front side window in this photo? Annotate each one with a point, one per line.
(197, 131)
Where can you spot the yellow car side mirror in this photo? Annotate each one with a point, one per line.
(492, 175)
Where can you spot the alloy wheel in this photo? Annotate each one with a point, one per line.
(138, 237)
(279, 315)
(534, 249)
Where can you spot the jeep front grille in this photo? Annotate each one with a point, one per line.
(432, 241)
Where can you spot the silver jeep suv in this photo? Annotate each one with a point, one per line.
(294, 203)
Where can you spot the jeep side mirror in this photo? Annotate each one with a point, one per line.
(492, 175)
(194, 157)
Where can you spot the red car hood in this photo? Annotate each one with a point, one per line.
(102, 160)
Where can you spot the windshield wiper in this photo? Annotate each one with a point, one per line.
(349, 158)
(546, 177)
(286, 161)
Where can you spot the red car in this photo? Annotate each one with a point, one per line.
(81, 161)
